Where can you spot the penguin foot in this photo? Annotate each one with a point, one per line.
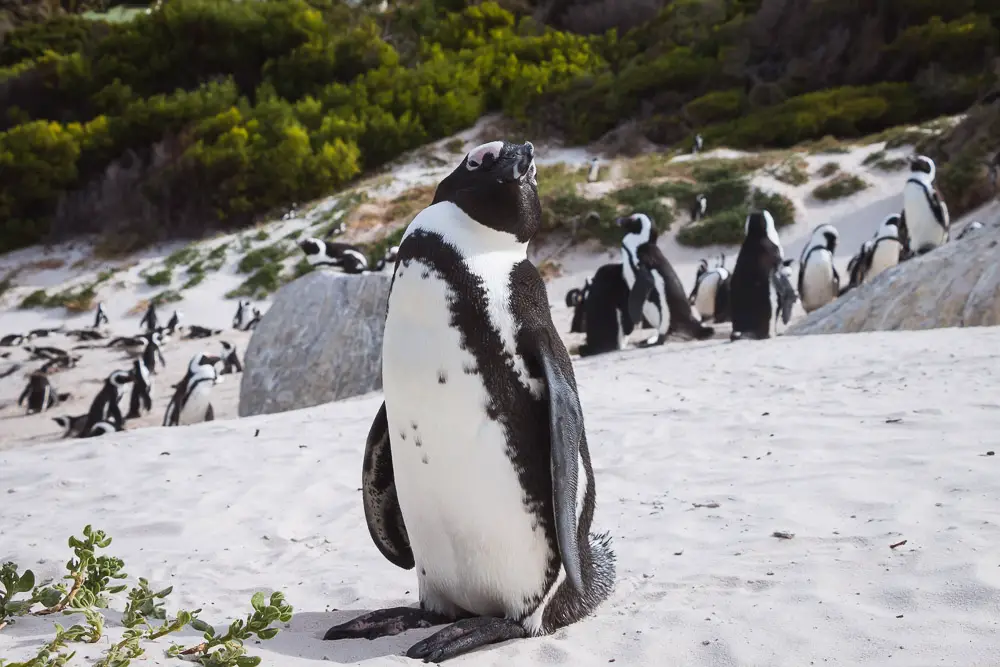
(653, 341)
(464, 636)
(385, 623)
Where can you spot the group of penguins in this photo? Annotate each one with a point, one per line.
(644, 291)
(191, 400)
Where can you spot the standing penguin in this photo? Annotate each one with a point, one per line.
(606, 319)
(698, 208)
(699, 144)
(104, 407)
(192, 400)
(576, 299)
(243, 317)
(885, 251)
(141, 398)
(39, 394)
(100, 317)
(174, 322)
(476, 469)
(595, 170)
(149, 319)
(710, 295)
(926, 215)
(760, 256)
(230, 359)
(819, 282)
(650, 278)
(151, 352)
(856, 267)
(784, 293)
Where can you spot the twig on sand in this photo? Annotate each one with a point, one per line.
(897, 544)
(781, 534)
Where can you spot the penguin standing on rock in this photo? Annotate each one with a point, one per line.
(885, 250)
(856, 267)
(192, 400)
(230, 359)
(760, 256)
(819, 282)
(926, 216)
(650, 278)
(149, 319)
(100, 317)
(344, 256)
(476, 470)
(104, 407)
(38, 393)
(784, 293)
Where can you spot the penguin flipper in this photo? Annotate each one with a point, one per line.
(382, 512)
(566, 433)
(637, 296)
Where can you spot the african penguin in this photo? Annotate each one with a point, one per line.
(699, 144)
(968, 229)
(388, 261)
(927, 219)
(819, 282)
(141, 398)
(230, 359)
(196, 331)
(760, 256)
(105, 405)
(11, 340)
(100, 317)
(255, 316)
(192, 400)
(595, 170)
(856, 267)
(576, 299)
(710, 294)
(476, 468)
(698, 208)
(38, 393)
(102, 428)
(72, 426)
(344, 256)
(243, 317)
(149, 319)
(606, 319)
(885, 250)
(785, 296)
(174, 322)
(651, 278)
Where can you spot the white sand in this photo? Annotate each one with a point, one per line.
(793, 437)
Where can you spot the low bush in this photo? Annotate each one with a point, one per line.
(842, 185)
(162, 277)
(261, 257)
(791, 171)
(263, 282)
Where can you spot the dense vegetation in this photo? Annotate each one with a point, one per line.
(210, 113)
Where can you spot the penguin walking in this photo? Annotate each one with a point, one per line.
(710, 294)
(576, 299)
(192, 399)
(243, 316)
(149, 319)
(104, 407)
(698, 208)
(819, 282)
(348, 258)
(174, 322)
(595, 170)
(652, 280)
(72, 426)
(38, 393)
(141, 398)
(100, 317)
(255, 316)
(760, 256)
(476, 471)
(926, 215)
(885, 250)
(784, 293)
(151, 352)
(969, 229)
(230, 359)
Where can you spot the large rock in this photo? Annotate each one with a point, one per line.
(956, 285)
(320, 341)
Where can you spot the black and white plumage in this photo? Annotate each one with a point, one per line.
(196, 331)
(58, 364)
(476, 469)
(230, 359)
(149, 320)
(710, 294)
(192, 399)
(751, 286)
(38, 393)
(246, 317)
(151, 352)
(100, 317)
(387, 261)
(654, 288)
(174, 322)
(44, 333)
(784, 293)
(970, 228)
(885, 251)
(12, 340)
(819, 282)
(594, 171)
(576, 299)
(141, 397)
(856, 267)
(926, 215)
(72, 426)
(46, 352)
(104, 407)
(606, 319)
(699, 144)
(102, 428)
(699, 207)
(87, 334)
(344, 256)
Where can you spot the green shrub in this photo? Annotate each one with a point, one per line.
(830, 168)
(37, 299)
(162, 277)
(263, 282)
(185, 255)
(60, 34)
(193, 281)
(256, 259)
(791, 171)
(779, 206)
(843, 185)
(166, 296)
(716, 107)
(723, 228)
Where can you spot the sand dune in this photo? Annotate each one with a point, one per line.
(701, 451)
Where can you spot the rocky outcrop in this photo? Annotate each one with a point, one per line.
(956, 285)
(320, 341)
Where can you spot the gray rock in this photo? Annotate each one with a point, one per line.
(956, 285)
(320, 341)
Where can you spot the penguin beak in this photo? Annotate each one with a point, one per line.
(518, 166)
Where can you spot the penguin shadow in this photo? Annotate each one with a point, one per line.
(303, 638)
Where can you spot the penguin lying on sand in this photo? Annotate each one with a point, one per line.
(195, 331)
(492, 505)
(72, 426)
(11, 340)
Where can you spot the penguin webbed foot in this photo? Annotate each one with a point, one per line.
(653, 341)
(385, 623)
(464, 636)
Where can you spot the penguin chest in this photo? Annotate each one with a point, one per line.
(818, 287)
(704, 299)
(885, 256)
(476, 545)
(195, 408)
(921, 223)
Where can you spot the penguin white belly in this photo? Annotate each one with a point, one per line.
(704, 300)
(817, 281)
(475, 544)
(886, 256)
(924, 229)
(197, 404)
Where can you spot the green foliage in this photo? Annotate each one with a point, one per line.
(879, 160)
(166, 296)
(182, 257)
(792, 171)
(264, 281)
(162, 277)
(63, 35)
(828, 169)
(842, 185)
(260, 257)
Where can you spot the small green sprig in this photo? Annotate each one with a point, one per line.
(89, 573)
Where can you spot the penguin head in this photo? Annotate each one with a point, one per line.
(314, 249)
(759, 228)
(889, 227)
(121, 378)
(391, 254)
(824, 236)
(226, 347)
(495, 186)
(921, 164)
(574, 297)
(638, 229)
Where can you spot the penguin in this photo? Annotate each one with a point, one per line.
(344, 256)
(760, 256)
(59, 364)
(819, 282)
(149, 319)
(856, 267)
(105, 405)
(230, 359)
(698, 208)
(254, 320)
(885, 250)
(174, 322)
(595, 170)
(968, 229)
(784, 293)
(72, 426)
(576, 299)
(650, 277)
(927, 219)
(141, 398)
(606, 319)
(102, 428)
(191, 402)
(86, 335)
(388, 260)
(12, 340)
(243, 316)
(43, 333)
(46, 352)
(699, 144)
(100, 317)
(151, 352)
(491, 505)
(710, 295)
(38, 393)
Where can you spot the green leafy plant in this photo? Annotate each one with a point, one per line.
(162, 277)
(842, 185)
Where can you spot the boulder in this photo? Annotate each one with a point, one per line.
(320, 341)
(955, 285)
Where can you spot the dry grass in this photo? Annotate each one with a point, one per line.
(410, 202)
(657, 165)
(139, 307)
(792, 171)
(826, 145)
